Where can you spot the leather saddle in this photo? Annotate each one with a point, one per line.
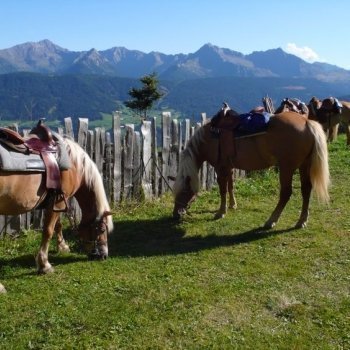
(40, 141)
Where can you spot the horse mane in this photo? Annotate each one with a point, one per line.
(91, 176)
(188, 165)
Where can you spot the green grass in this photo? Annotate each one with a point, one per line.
(200, 284)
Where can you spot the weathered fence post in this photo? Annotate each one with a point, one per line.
(100, 140)
(83, 127)
(108, 164)
(174, 152)
(117, 164)
(166, 120)
(147, 165)
(128, 160)
(69, 127)
(154, 155)
(137, 168)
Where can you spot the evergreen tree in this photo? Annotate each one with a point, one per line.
(144, 97)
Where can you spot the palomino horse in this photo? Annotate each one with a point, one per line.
(330, 113)
(290, 142)
(293, 105)
(23, 192)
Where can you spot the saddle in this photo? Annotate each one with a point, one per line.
(294, 105)
(227, 126)
(39, 142)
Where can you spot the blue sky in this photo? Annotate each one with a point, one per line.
(313, 30)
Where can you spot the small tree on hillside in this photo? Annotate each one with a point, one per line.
(144, 98)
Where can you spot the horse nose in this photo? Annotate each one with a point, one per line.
(179, 213)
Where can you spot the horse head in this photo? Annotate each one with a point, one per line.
(328, 108)
(184, 196)
(93, 236)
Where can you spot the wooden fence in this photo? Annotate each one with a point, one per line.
(134, 163)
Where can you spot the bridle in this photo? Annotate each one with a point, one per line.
(98, 227)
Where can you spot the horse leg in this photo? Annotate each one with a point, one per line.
(42, 260)
(223, 182)
(232, 199)
(347, 131)
(333, 132)
(286, 177)
(306, 188)
(2, 289)
(62, 246)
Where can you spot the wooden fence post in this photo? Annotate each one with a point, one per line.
(137, 168)
(166, 120)
(108, 164)
(174, 152)
(83, 127)
(154, 153)
(69, 127)
(128, 160)
(147, 165)
(117, 164)
(100, 141)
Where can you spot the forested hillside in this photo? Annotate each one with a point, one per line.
(28, 96)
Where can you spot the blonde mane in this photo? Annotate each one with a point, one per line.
(188, 163)
(91, 177)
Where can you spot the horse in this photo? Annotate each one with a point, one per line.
(21, 192)
(330, 113)
(293, 105)
(290, 142)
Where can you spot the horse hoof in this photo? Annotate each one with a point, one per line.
(63, 248)
(219, 216)
(269, 225)
(300, 225)
(46, 270)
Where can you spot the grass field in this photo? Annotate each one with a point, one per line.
(200, 284)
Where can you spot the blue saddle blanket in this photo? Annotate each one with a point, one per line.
(252, 123)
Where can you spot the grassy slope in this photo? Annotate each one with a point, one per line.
(197, 285)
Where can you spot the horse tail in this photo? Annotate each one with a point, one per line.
(319, 169)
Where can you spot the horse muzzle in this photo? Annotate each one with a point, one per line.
(97, 251)
(178, 213)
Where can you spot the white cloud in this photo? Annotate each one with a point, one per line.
(304, 52)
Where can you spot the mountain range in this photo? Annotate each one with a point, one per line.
(209, 61)
(194, 83)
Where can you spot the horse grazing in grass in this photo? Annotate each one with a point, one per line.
(330, 113)
(290, 142)
(21, 192)
(293, 105)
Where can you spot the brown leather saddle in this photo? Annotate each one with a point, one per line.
(41, 142)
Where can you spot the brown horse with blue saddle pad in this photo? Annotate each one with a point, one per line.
(30, 179)
(290, 142)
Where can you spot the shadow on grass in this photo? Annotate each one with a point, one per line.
(28, 260)
(135, 238)
(166, 237)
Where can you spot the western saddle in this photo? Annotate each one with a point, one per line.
(41, 142)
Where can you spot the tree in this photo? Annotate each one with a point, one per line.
(144, 98)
